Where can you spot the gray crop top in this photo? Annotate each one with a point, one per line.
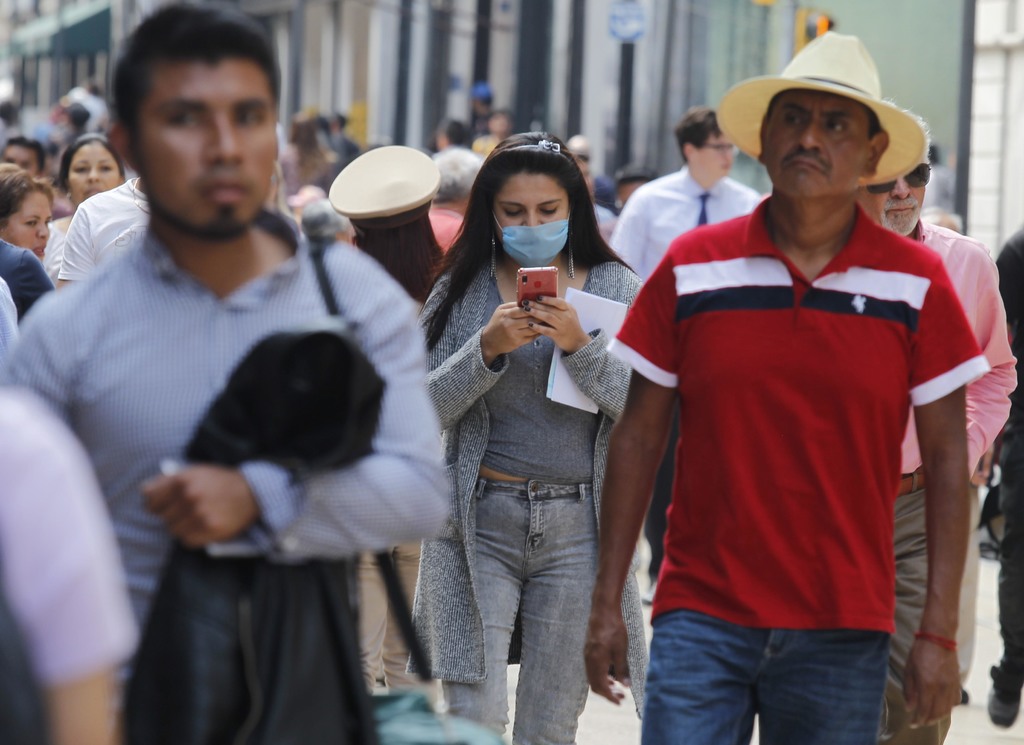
(531, 435)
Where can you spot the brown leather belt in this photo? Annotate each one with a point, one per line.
(910, 482)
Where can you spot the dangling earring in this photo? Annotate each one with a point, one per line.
(494, 251)
(572, 269)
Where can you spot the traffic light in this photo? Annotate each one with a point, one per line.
(810, 24)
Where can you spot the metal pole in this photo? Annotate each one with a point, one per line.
(963, 127)
(578, 34)
(623, 125)
(482, 42)
(295, 47)
(402, 83)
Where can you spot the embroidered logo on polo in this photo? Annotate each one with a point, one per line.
(764, 283)
(872, 293)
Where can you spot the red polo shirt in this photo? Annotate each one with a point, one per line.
(793, 403)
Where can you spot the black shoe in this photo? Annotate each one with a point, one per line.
(1003, 707)
(965, 697)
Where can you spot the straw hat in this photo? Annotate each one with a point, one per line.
(388, 186)
(833, 63)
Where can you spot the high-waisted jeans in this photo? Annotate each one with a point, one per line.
(536, 554)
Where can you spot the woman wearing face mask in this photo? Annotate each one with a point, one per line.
(88, 166)
(510, 577)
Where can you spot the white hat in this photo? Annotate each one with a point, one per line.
(385, 182)
(833, 63)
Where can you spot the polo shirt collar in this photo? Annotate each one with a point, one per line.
(864, 247)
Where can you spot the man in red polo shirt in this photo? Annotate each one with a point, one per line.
(793, 343)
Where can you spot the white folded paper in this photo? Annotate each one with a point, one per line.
(594, 313)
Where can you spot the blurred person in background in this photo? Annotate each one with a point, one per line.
(896, 205)
(386, 193)
(321, 222)
(27, 154)
(60, 576)
(304, 196)
(373, 192)
(307, 160)
(110, 223)
(24, 216)
(579, 146)
(499, 126)
(451, 133)
(481, 99)
(344, 146)
(8, 320)
(26, 205)
(458, 167)
(628, 179)
(88, 167)
(509, 579)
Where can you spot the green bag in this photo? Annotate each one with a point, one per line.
(407, 718)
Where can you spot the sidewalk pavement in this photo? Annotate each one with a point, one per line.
(605, 724)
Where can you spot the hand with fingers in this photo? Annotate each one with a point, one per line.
(605, 654)
(931, 681)
(555, 318)
(509, 328)
(202, 504)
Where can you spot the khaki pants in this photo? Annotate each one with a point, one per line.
(911, 589)
(380, 637)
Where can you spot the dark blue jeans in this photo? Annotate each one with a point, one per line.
(1009, 675)
(708, 678)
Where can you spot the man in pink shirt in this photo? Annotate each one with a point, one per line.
(897, 205)
(458, 167)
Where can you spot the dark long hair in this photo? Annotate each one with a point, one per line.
(409, 252)
(471, 252)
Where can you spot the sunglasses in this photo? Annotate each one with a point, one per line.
(917, 178)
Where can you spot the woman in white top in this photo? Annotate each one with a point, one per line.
(89, 166)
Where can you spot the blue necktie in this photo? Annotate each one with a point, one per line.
(703, 219)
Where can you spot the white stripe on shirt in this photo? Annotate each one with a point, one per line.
(754, 271)
(943, 385)
(896, 286)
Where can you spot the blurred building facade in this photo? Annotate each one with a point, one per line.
(397, 67)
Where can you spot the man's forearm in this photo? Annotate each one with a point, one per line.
(947, 510)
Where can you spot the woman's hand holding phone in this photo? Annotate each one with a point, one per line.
(509, 328)
(556, 319)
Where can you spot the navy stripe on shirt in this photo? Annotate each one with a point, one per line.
(734, 298)
(832, 301)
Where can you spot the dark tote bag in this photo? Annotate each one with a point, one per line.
(242, 651)
(22, 712)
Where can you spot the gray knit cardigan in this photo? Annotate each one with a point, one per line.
(446, 614)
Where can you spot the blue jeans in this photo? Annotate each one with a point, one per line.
(708, 678)
(536, 555)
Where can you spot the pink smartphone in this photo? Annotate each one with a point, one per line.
(536, 281)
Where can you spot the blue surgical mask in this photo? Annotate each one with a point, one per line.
(535, 245)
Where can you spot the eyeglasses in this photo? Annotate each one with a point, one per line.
(917, 178)
(720, 148)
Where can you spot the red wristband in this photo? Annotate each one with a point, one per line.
(942, 641)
